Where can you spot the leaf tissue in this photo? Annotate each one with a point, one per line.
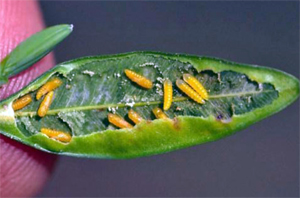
(92, 89)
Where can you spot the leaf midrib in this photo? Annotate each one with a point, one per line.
(122, 105)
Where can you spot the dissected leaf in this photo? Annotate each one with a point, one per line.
(31, 50)
(93, 87)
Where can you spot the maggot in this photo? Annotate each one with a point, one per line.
(22, 102)
(138, 79)
(189, 91)
(57, 135)
(47, 87)
(159, 114)
(168, 94)
(118, 121)
(45, 104)
(134, 116)
(196, 85)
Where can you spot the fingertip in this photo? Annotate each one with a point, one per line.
(23, 170)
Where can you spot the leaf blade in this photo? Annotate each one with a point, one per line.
(32, 49)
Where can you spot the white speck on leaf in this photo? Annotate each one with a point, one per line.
(117, 75)
(260, 87)
(130, 104)
(146, 64)
(160, 79)
(68, 86)
(90, 73)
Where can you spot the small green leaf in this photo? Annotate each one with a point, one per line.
(31, 50)
(239, 95)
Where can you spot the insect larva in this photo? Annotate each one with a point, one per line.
(134, 116)
(118, 121)
(45, 104)
(140, 80)
(196, 85)
(22, 102)
(159, 114)
(168, 94)
(57, 135)
(189, 91)
(47, 87)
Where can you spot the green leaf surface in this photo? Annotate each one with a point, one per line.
(31, 50)
(239, 95)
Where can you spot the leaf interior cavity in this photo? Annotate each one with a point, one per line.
(89, 93)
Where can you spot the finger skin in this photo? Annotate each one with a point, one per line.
(23, 170)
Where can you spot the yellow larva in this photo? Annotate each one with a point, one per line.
(118, 121)
(57, 135)
(47, 87)
(138, 79)
(45, 104)
(134, 116)
(22, 102)
(168, 94)
(159, 114)
(196, 85)
(189, 91)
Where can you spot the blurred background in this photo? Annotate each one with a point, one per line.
(261, 161)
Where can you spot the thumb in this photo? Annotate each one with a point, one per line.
(23, 170)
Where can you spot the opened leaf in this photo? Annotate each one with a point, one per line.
(93, 87)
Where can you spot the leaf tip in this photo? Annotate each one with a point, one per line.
(71, 27)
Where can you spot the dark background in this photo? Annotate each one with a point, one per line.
(260, 161)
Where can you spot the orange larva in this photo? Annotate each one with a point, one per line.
(138, 79)
(118, 121)
(196, 85)
(57, 135)
(159, 114)
(47, 87)
(45, 104)
(134, 116)
(168, 94)
(22, 102)
(189, 91)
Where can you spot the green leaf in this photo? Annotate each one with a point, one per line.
(31, 50)
(239, 95)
